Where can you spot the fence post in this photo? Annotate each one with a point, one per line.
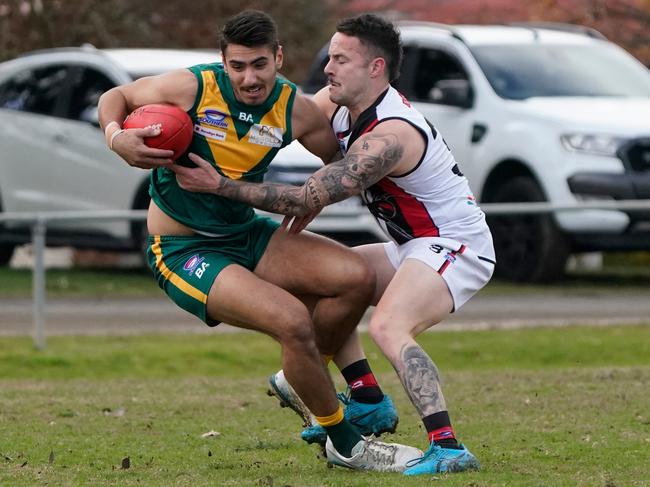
(38, 281)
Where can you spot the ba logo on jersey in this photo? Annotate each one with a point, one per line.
(196, 266)
(245, 117)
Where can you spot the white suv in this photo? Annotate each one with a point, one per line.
(536, 113)
(53, 156)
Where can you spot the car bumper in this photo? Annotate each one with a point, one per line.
(635, 233)
(626, 186)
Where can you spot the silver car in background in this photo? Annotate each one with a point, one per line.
(53, 156)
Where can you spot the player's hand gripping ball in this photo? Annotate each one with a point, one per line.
(176, 127)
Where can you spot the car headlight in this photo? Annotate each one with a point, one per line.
(598, 144)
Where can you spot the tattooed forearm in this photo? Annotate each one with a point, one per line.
(421, 381)
(272, 197)
(360, 168)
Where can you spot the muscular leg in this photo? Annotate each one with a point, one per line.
(311, 265)
(242, 299)
(404, 309)
(375, 256)
(416, 299)
(364, 389)
(351, 359)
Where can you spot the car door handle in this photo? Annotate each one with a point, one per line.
(478, 132)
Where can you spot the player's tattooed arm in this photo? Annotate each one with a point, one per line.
(337, 157)
(369, 159)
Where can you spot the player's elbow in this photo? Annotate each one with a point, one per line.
(108, 96)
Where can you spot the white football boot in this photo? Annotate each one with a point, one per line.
(374, 455)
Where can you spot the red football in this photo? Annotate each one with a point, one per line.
(177, 128)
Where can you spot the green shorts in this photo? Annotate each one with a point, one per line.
(186, 267)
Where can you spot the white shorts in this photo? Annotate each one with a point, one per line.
(464, 272)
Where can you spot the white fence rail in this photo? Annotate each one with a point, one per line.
(39, 221)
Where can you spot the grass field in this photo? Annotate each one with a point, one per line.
(539, 407)
(100, 282)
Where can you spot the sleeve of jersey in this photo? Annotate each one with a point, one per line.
(288, 134)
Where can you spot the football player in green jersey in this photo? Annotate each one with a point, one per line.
(220, 261)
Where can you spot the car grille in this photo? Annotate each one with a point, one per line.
(636, 155)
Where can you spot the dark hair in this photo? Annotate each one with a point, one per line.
(378, 35)
(250, 28)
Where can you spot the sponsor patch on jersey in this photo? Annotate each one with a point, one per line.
(192, 263)
(215, 118)
(265, 135)
(210, 133)
(450, 257)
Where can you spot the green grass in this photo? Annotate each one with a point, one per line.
(102, 282)
(539, 407)
(80, 282)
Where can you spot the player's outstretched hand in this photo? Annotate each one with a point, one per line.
(130, 146)
(203, 178)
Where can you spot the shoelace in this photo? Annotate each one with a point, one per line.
(345, 397)
(379, 453)
(432, 451)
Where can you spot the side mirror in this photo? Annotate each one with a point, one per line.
(454, 92)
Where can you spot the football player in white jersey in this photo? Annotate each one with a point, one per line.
(440, 252)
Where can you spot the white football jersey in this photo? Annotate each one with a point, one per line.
(431, 200)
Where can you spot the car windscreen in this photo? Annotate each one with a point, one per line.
(517, 72)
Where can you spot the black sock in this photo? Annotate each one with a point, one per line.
(362, 382)
(439, 429)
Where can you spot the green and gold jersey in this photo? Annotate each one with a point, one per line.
(240, 140)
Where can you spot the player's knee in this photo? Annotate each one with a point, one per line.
(380, 331)
(360, 276)
(297, 330)
(389, 339)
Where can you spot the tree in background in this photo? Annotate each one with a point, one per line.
(25, 25)
(305, 25)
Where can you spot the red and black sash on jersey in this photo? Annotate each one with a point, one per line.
(404, 216)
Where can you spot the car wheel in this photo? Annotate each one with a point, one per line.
(6, 252)
(528, 247)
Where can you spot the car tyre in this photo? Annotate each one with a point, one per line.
(529, 247)
(6, 252)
